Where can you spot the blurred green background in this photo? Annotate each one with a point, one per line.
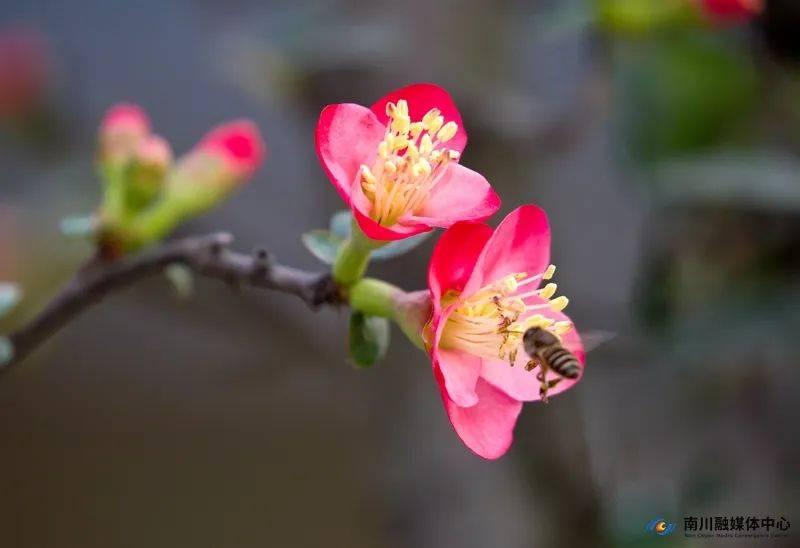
(663, 145)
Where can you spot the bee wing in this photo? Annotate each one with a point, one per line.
(593, 339)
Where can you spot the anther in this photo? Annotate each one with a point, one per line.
(426, 145)
(434, 126)
(401, 124)
(367, 175)
(559, 303)
(560, 328)
(430, 117)
(447, 132)
(548, 291)
(383, 149)
(402, 107)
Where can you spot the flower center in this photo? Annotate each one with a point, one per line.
(410, 161)
(492, 322)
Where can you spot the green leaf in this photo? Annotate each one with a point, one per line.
(10, 295)
(399, 247)
(181, 278)
(323, 244)
(340, 224)
(6, 350)
(79, 226)
(369, 338)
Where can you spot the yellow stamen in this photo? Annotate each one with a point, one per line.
(447, 132)
(409, 163)
(430, 116)
(548, 291)
(492, 322)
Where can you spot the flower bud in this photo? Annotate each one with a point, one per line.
(145, 176)
(226, 157)
(122, 130)
(239, 145)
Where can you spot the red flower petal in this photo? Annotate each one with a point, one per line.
(460, 195)
(521, 243)
(454, 258)
(487, 428)
(347, 136)
(421, 98)
(460, 372)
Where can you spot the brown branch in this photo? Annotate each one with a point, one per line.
(205, 255)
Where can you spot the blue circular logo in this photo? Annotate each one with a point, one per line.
(660, 526)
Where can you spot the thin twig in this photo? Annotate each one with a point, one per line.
(208, 256)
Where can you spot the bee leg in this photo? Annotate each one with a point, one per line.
(530, 365)
(541, 377)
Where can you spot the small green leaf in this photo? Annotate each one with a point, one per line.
(6, 350)
(369, 338)
(400, 247)
(323, 244)
(10, 295)
(181, 278)
(340, 224)
(79, 226)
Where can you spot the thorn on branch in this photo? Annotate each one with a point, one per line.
(325, 292)
(262, 262)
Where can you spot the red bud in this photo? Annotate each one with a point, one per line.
(124, 127)
(732, 10)
(239, 145)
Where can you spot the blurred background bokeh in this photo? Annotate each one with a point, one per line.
(662, 139)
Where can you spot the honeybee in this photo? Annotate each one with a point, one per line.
(546, 351)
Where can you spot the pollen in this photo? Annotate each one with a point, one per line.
(409, 163)
(491, 323)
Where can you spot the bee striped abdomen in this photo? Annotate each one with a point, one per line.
(562, 361)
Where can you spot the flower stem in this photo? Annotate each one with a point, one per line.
(353, 257)
(153, 223)
(374, 297)
(410, 310)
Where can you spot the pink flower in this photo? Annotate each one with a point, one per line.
(396, 163)
(25, 70)
(732, 10)
(238, 144)
(123, 128)
(485, 290)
